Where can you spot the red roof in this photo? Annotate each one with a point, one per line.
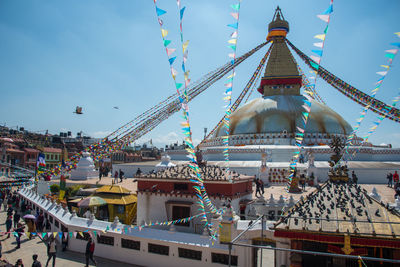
(51, 150)
(31, 150)
(12, 150)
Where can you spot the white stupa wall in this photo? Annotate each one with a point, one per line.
(85, 169)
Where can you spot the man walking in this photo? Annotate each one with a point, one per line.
(9, 225)
(390, 179)
(51, 251)
(89, 252)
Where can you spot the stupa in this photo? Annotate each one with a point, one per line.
(85, 169)
(267, 126)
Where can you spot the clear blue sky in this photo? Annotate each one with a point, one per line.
(56, 55)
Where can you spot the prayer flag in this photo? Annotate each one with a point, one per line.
(182, 11)
(160, 11)
(235, 15)
(320, 36)
(329, 10)
(164, 32)
(324, 18)
(170, 51)
(383, 73)
(320, 44)
(166, 43)
(40, 163)
(234, 25)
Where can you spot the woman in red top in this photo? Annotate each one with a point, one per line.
(396, 177)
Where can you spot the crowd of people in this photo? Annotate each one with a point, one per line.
(20, 216)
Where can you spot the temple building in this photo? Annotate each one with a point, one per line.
(340, 219)
(266, 126)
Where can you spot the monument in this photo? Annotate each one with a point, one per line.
(85, 169)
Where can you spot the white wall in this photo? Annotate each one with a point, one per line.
(148, 235)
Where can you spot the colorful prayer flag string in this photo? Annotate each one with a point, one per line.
(390, 54)
(229, 82)
(308, 93)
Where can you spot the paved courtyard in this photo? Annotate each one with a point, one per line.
(36, 246)
(386, 193)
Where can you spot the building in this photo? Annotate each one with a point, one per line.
(30, 157)
(267, 126)
(120, 202)
(341, 219)
(169, 195)
(53, 156)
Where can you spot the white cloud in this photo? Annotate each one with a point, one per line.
(100, 134)
(167, 139)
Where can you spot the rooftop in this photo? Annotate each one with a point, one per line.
(340, 208)
(208, 172)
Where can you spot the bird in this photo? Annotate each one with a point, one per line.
(115, 107)
(78, 110)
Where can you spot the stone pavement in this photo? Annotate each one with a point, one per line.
(36, 246)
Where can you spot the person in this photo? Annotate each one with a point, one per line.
(9, 210)
(303, 182)
(8, 225)
(100, 173)
(390, 179)
(138, 172)
(31, 226)
(395, 177)
(16, 218)
(19, 231)
(121, 175)
(90, 251)
(19, 263)
(261, 186)
(397, 190)
(40, 221)
(354, 177)
(116, 177)
(35, 262)
(301, 158)
(51, 251)
(64, 242)
(258, 188)
(5, 204)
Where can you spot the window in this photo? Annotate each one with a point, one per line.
(50, 219)
(84, 237)
(180, 212)
(158, 249)
(120, 209)
(106, 240)
(180, 186)
(57, 224)
(189, 254)
(224, 259)
(131, 244)
(63, 228)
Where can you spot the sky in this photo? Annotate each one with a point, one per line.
(98, 54)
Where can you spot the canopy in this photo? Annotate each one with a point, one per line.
(91, 202)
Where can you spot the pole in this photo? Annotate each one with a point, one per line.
(230, 254)
(262, 239)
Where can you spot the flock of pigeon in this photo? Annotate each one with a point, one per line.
(208, 172)
(340, 207)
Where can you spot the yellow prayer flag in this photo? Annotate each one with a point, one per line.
(320, 36)
(185, 45)
(232, 41)
(164, 33)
